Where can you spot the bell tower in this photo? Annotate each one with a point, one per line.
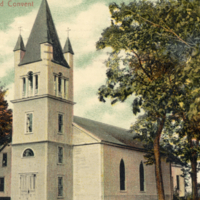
(43, 114)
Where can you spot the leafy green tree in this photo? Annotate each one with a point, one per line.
(5, 120)
(178, 143)
(182, 130)
(184, 142)
(159, 42)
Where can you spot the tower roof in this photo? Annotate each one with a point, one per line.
(20, 44)
(68, 47)
(43, 31)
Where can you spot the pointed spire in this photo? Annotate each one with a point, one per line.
(43, 31)
(20, 44)
(68, 47)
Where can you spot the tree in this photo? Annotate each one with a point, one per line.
(160, 41)
(5, 120)
(184, 142)
(178, 143)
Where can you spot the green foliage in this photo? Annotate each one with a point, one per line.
(156, 57)
(5, 120)
(154, 54)
(160, 63)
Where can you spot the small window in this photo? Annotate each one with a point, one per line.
(2, 184)
(141, 172)
(177, 182)
(28, 153)
(4, 160)
(122, 175)
(60, 154)
(60, 123)
(60, 186)
(29, 122)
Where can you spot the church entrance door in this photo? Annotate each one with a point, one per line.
(28, 186)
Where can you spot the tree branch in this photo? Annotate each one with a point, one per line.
(141, 65)
(157, 25)
(6, 143)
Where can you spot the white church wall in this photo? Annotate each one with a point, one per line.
(82, 137)
(39, 109)
(132, 160)
(167, 178)
(29, 165)
(5, 172)
(55, 108)
(87, 168)
(56, 169)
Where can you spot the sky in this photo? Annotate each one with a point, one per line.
(86, 19)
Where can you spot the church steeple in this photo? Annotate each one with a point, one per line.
(43, 31)
(20, 44)
(43, 115)
(68, 47)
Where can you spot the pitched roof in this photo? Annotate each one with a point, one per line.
(20, 44)
(43, 31)
(68, 47)
(108, 133)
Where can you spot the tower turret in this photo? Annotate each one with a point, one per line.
(19, 50)
(68, 48)
(69, 56)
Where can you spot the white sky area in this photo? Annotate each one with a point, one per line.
(64, 3)
(86, 27)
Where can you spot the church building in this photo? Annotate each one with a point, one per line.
(56, 155)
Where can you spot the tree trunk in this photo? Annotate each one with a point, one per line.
(194, 178)
(193, 161)
(158, 169)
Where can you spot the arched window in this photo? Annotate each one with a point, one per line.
(55, 84)
(24, 87)
(28, 153)
(36, 84)
(141, 176)
(177, 182)
(30, 84)
(30, 78)
(122, 175)
(60, 84)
